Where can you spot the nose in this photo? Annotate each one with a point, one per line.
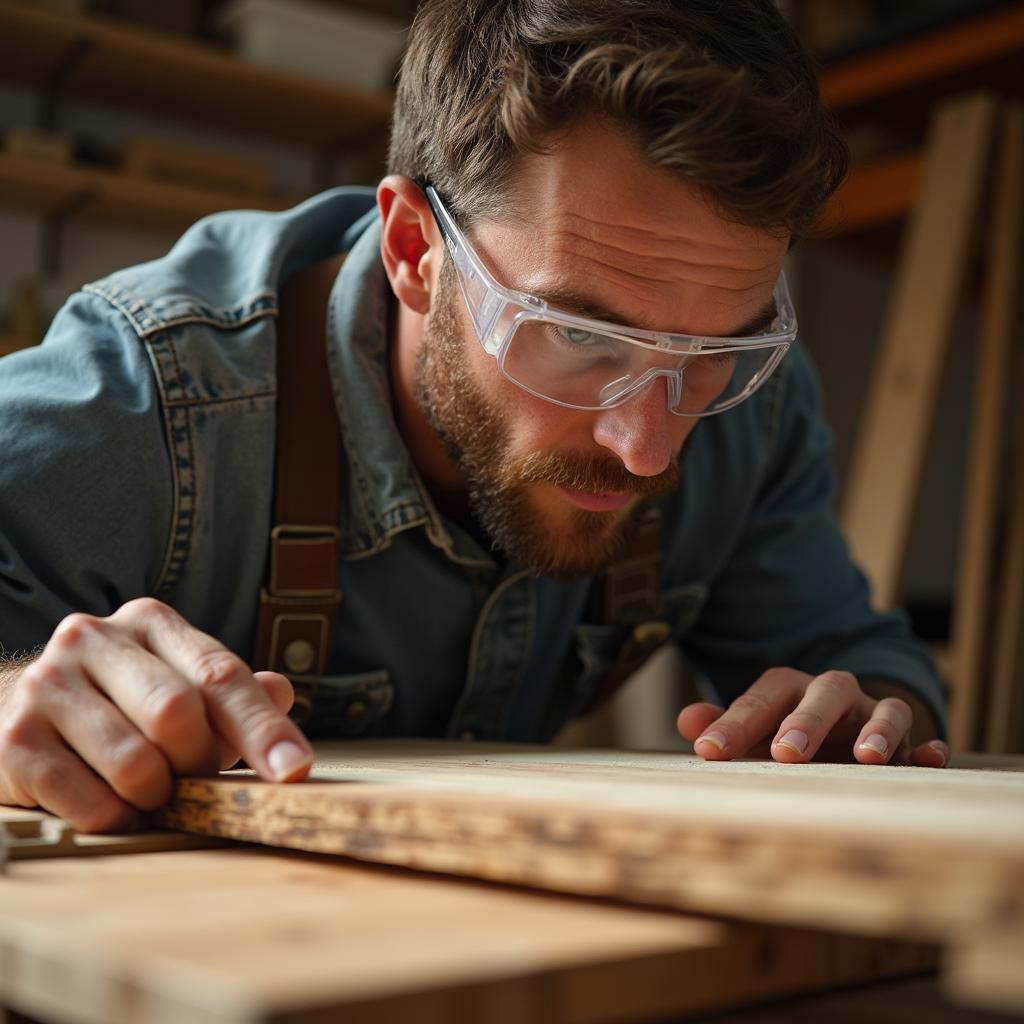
(642, 432)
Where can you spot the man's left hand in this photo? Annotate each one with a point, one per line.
(795, 717)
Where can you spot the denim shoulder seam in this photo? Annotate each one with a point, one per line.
(146, 322)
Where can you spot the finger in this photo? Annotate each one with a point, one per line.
(278, 688)
(827, 701)
(97, 731)
(163, 706)
(40, 771)
(934, 754)
(881, 738)
(752, 716)
(236, 704)
(281, 693)
(695, 718)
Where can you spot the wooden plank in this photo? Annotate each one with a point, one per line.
(925, 60)
(112, 198)
(886, 466)
(239, 936)
(972, 608)
(1006, 704)
(839, 846)
(154, 71)
(29, 832)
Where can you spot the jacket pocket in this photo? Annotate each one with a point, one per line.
(332, 707)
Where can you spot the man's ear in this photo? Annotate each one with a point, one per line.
(410, 243)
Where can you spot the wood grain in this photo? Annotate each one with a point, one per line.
(242, 936)
(915, 853)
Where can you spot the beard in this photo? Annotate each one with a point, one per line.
(477, 438)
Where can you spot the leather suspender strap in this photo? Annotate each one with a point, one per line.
(300, 598)
(631, 581)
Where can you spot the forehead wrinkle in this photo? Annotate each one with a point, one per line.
(657, 243)
(619, 276)
(671, 269)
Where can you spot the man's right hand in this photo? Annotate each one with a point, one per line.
(97, 726)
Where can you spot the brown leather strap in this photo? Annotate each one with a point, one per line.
(300, 598)
(631, 581)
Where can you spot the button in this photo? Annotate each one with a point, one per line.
(299, 656)
(468, 735)
(357, 711)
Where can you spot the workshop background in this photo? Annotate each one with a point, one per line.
(123, 121)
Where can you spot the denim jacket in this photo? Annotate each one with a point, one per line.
(136, 457)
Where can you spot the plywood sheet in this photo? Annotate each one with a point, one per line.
(909, 852)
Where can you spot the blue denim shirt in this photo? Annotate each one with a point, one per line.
(137, 458)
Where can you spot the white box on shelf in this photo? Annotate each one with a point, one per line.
(347, 46)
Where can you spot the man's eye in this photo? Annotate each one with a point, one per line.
(577, 335)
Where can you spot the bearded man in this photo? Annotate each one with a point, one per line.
(562, 322)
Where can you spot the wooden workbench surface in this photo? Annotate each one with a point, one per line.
(244, 935)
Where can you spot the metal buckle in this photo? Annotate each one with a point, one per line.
(296, 534)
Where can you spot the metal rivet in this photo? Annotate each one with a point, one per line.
(356, 710)
(299, 656)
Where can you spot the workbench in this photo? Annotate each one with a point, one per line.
(175, 926)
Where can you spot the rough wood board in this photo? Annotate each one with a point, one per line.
(885, 471)
(243, 936)
(976, 576)
(907, 852)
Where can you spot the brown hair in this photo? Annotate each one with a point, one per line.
(720, 91)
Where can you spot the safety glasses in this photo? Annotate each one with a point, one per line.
(581, 363)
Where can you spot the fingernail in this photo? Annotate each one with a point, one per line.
(877, 743)
(940, 748)
(794, 740)
(715, 738)
(286, 759)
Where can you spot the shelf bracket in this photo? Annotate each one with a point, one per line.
(54, 222)
(56, 81)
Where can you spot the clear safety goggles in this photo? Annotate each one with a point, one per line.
(581, 363)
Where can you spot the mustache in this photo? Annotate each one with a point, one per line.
(596, 476)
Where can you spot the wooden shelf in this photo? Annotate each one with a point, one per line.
(905, 79)
(132, 67)
(875, 195)
(98, 195)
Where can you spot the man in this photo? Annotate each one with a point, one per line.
(567, 307)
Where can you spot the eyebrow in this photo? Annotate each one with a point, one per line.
(569, 301)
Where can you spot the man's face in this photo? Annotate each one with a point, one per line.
(600, 233)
